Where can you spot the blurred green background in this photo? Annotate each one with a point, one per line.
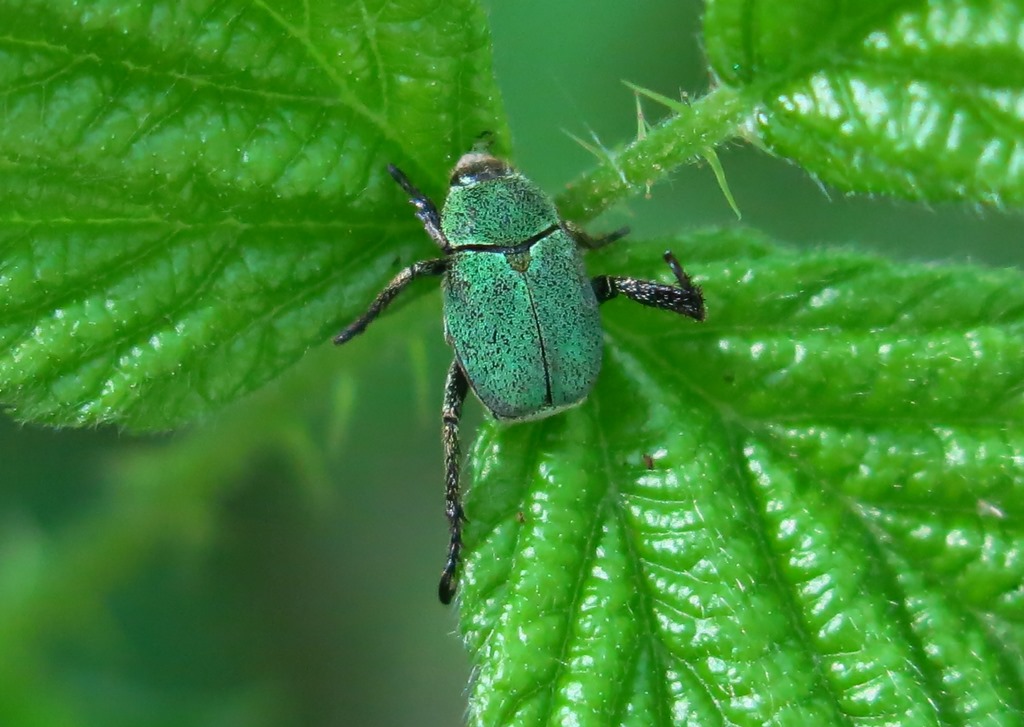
(278, 566)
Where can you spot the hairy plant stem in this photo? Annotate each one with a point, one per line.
(704, 124)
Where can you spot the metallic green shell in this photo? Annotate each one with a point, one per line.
(525, 326)
(500, 212)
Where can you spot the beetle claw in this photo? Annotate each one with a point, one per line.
(447, 587)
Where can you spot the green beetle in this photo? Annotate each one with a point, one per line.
(519, 309)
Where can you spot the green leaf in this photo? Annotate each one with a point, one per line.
(916, 99)
(921, 100)
(192, 195)
(807, 511)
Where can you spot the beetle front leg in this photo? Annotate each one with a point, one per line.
(686, 299)
(451, 411)
(426, 210)
(384, 298)
(592, 243)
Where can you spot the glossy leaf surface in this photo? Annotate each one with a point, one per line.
(805, 511)
(916, 99)
(193, 194)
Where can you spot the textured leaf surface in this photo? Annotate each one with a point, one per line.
(917, 99)
(193, 194)
(806, 511)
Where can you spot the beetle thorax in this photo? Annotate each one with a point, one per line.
(490, 204)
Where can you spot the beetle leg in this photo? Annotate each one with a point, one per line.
(426, 210)
(454, 394)
(384, 298)
(592, 243)
(686, 299)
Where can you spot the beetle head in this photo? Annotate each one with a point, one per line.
(478, 166)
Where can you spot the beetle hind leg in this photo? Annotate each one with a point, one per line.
(455, 390)
(686, 298)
